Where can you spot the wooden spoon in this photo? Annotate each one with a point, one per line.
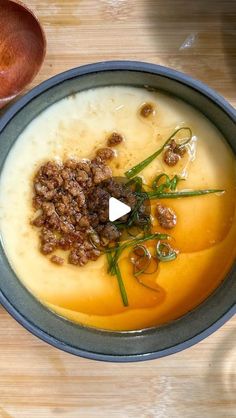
(22, 48)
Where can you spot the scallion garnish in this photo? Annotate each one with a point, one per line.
(121, 286)
(140, 166)
(163, 182)
(174, 182)
(184, 193)
(114, 253)
(143, 280)
(140, 257)
(138, 240)
(163, 187)
(165, 252)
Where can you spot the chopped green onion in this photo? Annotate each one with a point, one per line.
(140, 257)
(165, 252)
(140, 166)
(174, 182)
(141, 251)
(134, 213)
(109, 260)
(114, 270)
(170, 184)
(138, 240)
(120, 248)
(176, 195)
(160, 187)
(121, 286)
(150, 285)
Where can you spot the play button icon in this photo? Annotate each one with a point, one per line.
(117, 209)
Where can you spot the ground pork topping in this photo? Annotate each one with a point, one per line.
(173, 153)
(114, 139)
(57, 260)
(146, 110)
(105, 153)
(166, 217)
(71, 200)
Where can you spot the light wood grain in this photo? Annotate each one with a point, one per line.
(37, 380)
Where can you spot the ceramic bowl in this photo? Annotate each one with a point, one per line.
(85, 341)
(22, 48)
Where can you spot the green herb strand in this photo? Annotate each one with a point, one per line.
(174, 182)
(176, 195)
(114, 269)
(158, 186)
(119, 249)
(140, 166)
(136, 241)
(169, 183)
(121, 286)
(134, 214)
(109, 261)
(165, 252)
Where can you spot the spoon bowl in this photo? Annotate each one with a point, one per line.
(22, 48)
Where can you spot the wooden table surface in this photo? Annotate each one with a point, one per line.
(36, 380)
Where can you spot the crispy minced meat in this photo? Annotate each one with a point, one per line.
(108, 231)
(114, 139)
(146, 110)
(81, 256)
(57, 260)
(71, 202)
(166, 216)
(105, 154)
(173, 153)
(170, 158)
(38, 221)
(48, 241)
(100, 171)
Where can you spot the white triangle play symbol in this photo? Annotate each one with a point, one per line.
(117, 209)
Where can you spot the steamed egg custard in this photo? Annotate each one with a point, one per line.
(156, 263)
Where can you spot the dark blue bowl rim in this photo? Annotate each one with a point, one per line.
(136, 66)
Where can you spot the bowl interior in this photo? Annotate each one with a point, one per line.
(22, 48)
(105, 345)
